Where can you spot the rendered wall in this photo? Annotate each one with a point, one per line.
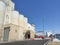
(16, 33)
(8, 15)
(2, 12)
(14, 18)
(16, 21)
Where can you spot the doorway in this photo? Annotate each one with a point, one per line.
(6, 34)
(27, 35)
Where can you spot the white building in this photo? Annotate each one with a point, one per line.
(13, 25)
(40, 33)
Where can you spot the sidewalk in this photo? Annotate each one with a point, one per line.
(54, 43)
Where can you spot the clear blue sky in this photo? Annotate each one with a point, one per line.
(36, 10)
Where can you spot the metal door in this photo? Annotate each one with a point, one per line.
(6, 34)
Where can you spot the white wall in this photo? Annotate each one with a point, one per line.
(2, 11)
(12, 5)
(21, 19)
(30, 27)
(20, 33)
(15, 17)
(8, 15)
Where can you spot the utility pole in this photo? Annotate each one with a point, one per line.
(43, 24)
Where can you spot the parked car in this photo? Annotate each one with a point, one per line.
(41, 37)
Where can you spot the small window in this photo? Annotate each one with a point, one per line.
(28, 27)
(16, 31)
(7, 17)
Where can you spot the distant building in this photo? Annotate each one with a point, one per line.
(40, 33)
(13, 26)
(48, 34)
(57, 36)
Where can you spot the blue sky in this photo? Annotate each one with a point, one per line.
(36, 10)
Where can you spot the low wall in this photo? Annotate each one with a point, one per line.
(28, 42)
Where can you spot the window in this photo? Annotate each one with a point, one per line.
(16, 31)
(7, 17)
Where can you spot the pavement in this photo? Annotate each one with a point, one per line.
(27, 42)
(54, 43)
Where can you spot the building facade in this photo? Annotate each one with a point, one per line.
(13, 25)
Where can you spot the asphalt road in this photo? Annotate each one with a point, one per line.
(27, 42)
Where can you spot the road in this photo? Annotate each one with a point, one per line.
(27, 42)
